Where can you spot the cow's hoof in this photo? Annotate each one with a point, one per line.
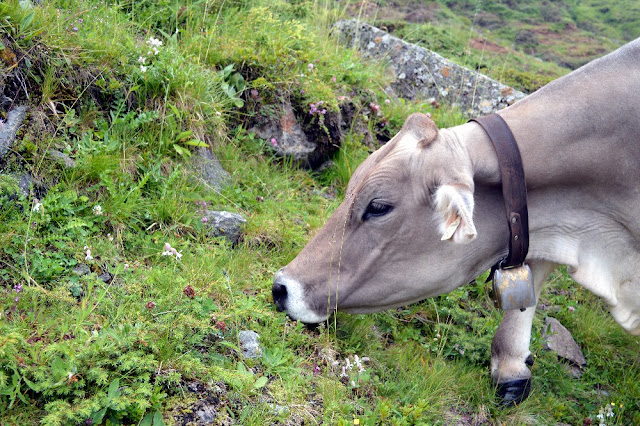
(513, 392)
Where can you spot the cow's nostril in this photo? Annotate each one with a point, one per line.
(279, 292)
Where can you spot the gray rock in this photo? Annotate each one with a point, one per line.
(82, 269)
(422, 74)
(290, 138)
(105, 277)
(9, 128)
(210, 170)
(559, 340)
(207, 414)
(250, 344)
(24, 183)
(224, 224)
(63, 159)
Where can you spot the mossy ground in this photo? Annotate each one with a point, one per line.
(159, 340)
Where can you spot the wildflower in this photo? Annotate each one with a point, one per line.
(88, 252)
(75, 29)
(356, 421)
(205, 219)
(302, 92)
(373, 328)
(353, 383)
(143, 68)
(359, 364)
(189, 292)
(374, 107)
(316, 370)
(17, 288)
(310, 67)
(142, 59)
(170, 251)
(254, 94)
(348, 364)
(154, 42)
(110, 237)
(37, 205)
(571, 309)
(333, 79)
(218, 113)
(344, 372)
(387, 101)
(80, 21)
(97, 210)
(274, 142)
(150, 304)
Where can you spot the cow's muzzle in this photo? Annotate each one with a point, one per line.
(289, 296)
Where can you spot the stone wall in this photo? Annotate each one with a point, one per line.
(423, 74)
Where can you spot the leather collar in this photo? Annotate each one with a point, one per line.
(514, 189)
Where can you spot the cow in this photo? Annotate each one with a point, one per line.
(425, 214)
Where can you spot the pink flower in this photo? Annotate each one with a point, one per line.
(274, 142)
(170, 251)
(310, 67)
(333, 79)
(571, 309)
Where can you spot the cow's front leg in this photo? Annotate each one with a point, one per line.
(510, 355)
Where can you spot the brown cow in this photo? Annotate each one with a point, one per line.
(424, 214)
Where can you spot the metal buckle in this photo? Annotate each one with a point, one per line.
(513, 288)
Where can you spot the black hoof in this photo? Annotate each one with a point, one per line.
(514, 392)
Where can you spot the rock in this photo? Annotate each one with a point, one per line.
(207, 414)
(209, 169)
(559, 340)
(9, 128)
(82, 269)
(250, 344)
(422, 74)
(291, 140)
(224, 224)
(105, 277)
(63, 159)
(24, 183)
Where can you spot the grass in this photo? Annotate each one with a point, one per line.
(159, 339)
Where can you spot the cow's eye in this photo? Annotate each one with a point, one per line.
(376, 209)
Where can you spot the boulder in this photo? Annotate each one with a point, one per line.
(559, 340)
(423, 74)
(224, 224)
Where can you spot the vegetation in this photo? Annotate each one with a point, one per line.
(128, 89)
(523, 44)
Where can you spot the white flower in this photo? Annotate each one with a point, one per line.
(348, 364)
(142, 59)
(97, 210)
(37, 206)
(154, 42)
(344, 372)
(170, 251)
(143, 68)
(88, 251)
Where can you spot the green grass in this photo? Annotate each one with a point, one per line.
(161, 336)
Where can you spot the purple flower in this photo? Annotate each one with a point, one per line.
(75, 28)
(205, 219)
(80, 21)
(17, 288)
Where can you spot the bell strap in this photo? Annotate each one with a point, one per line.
(514, 189)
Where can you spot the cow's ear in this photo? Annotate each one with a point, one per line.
(454, 209)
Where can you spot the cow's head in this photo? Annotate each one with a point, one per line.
(400, 235)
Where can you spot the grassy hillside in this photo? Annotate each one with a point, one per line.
(127, 90)
(523, 44)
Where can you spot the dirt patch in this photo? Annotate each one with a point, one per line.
(484, 44)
